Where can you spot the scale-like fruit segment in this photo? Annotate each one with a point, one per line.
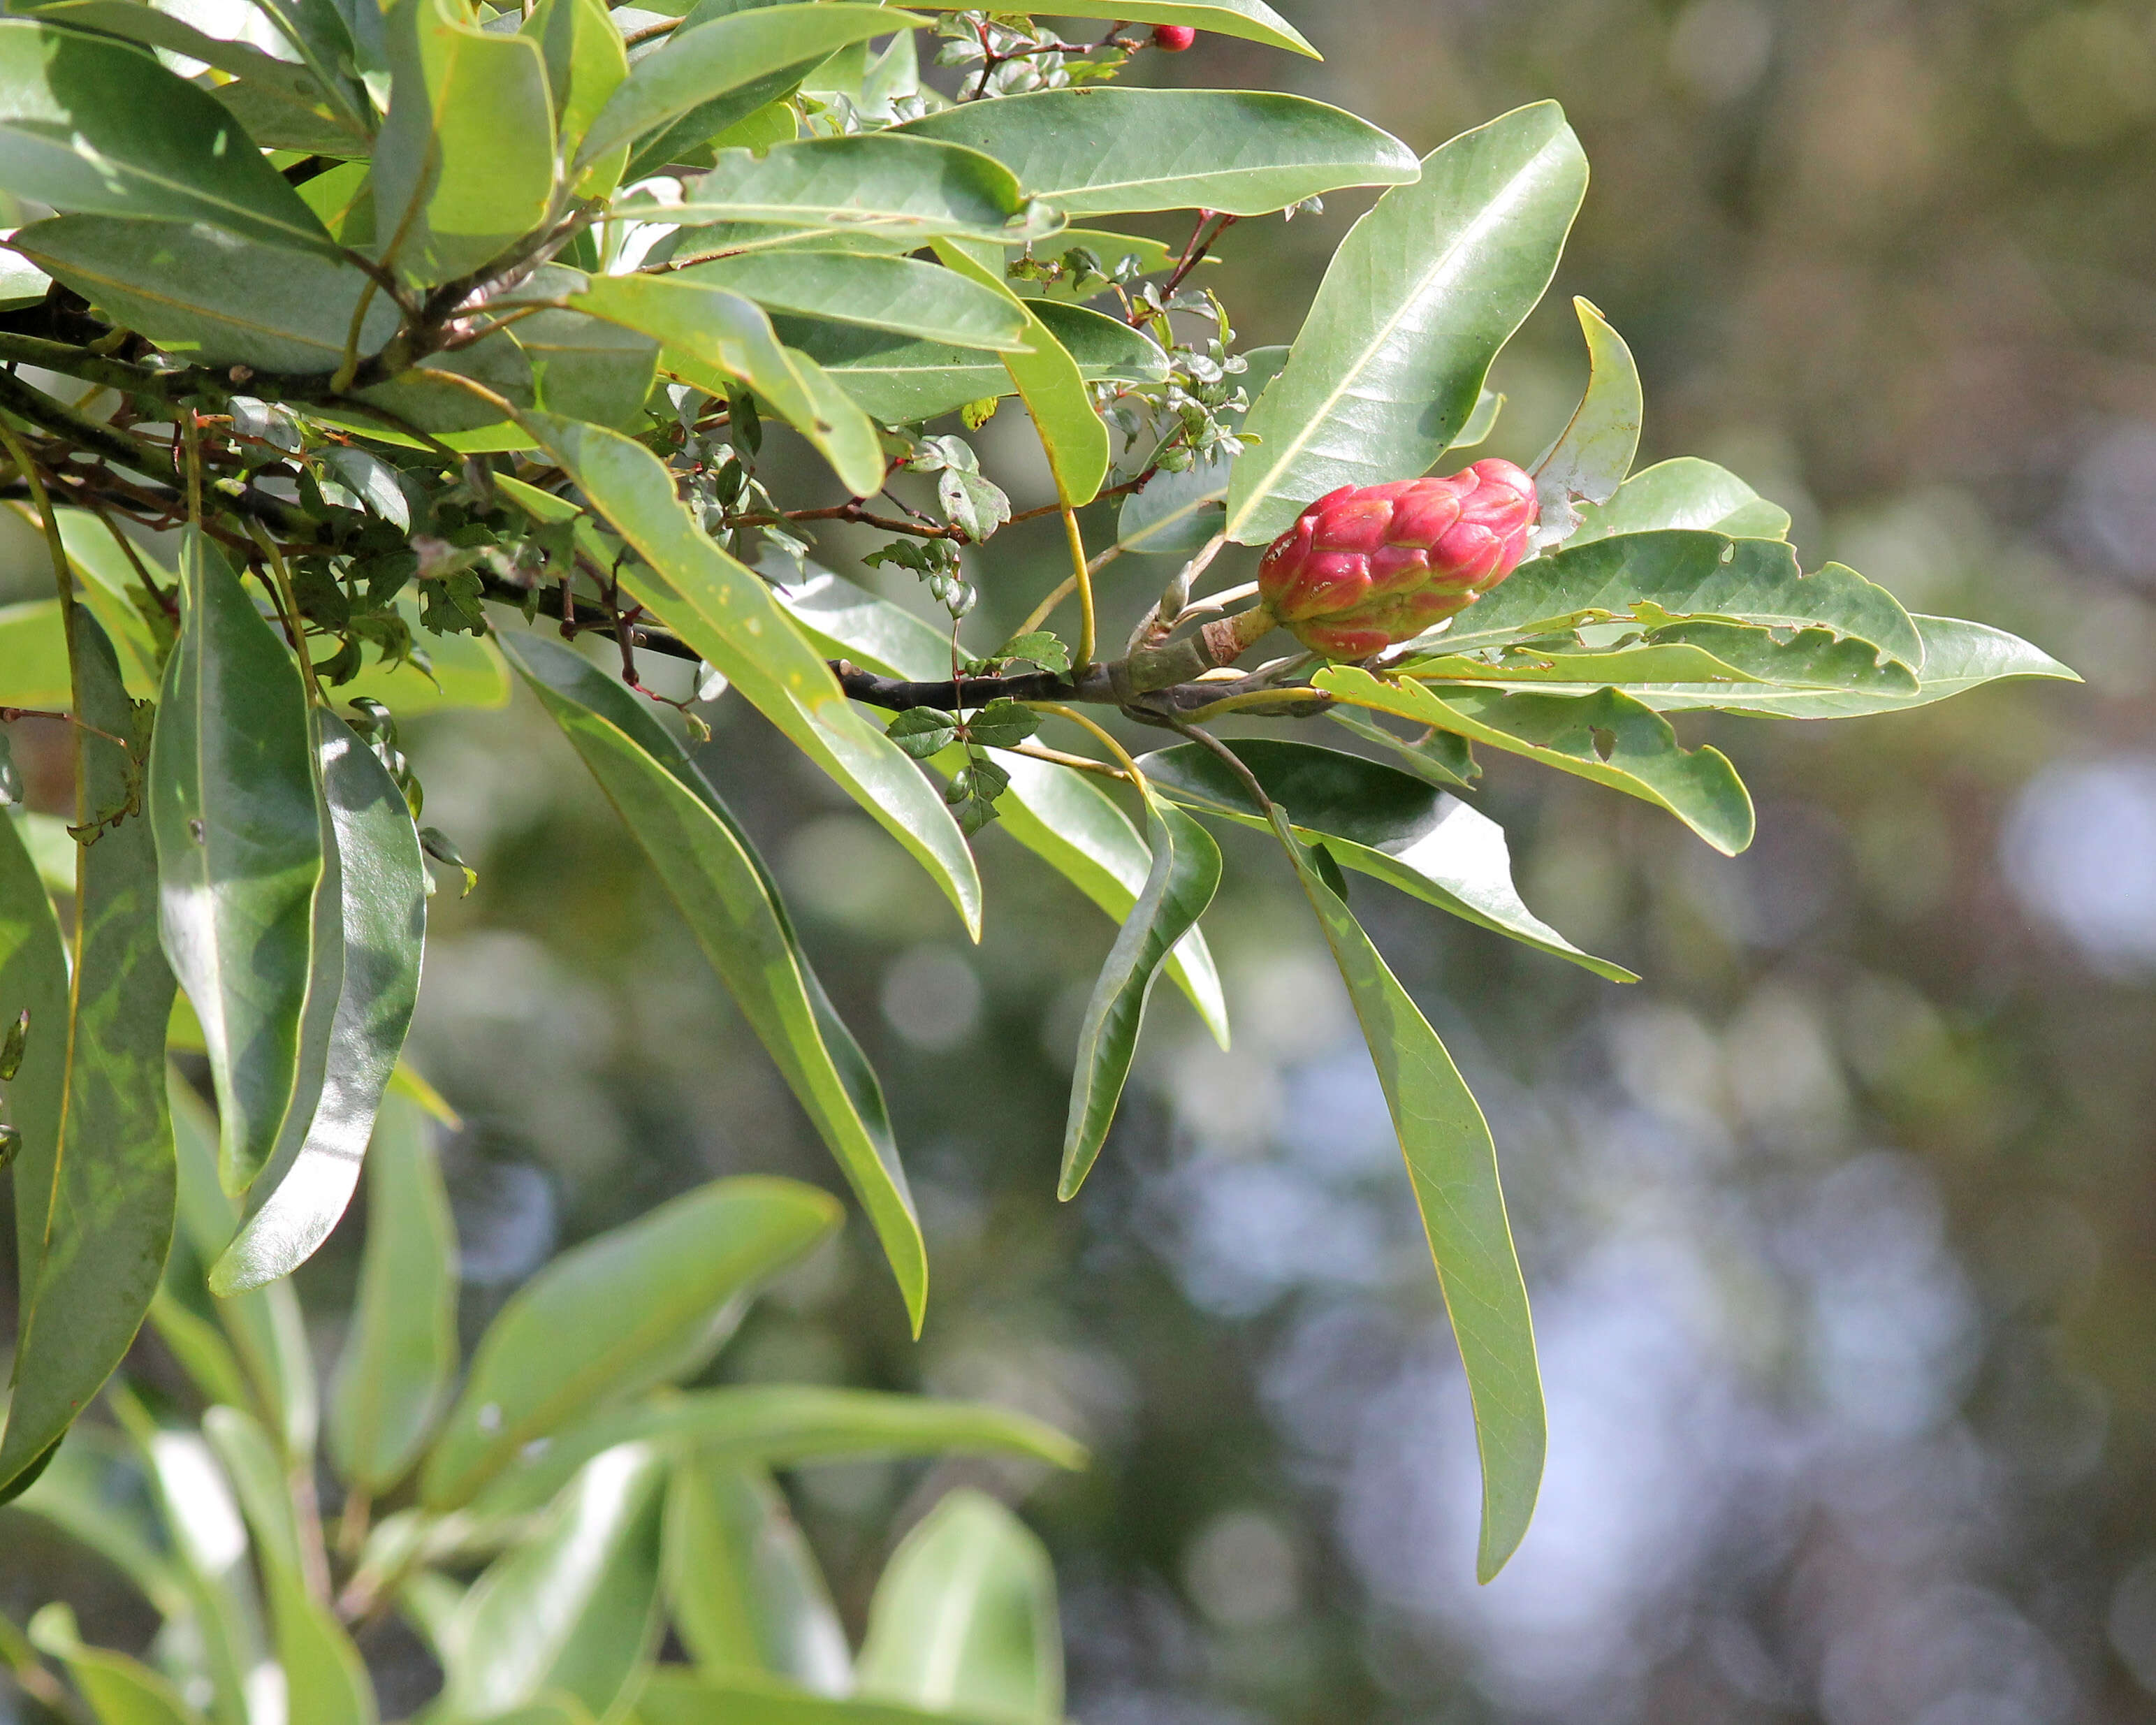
(1365, 566)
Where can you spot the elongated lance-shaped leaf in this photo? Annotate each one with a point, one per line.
(1378, 821)
(743, 1590)
(106, 1187)
(1606, 737)
(380, 931)
(1685, 492)
(1594, 453)
(728, 615)
(1186, 873)
(733, 907)
(1252, 20)
(34, 981)
(964, 1621)
(1422, 294)
(639, 1305)
(119, 1690)
(1731, 657)
(1099, 151)
(1452, 1163)
(239, 851)
(900, 294)
(400, 1354)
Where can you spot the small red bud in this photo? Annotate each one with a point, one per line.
(1173, 38)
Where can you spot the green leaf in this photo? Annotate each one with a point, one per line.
(783, 1425)
(754, 57)
(732, 906)
(1175, 514)
(1056, 812)
(400, 1354)
(672, 1696)
(1103, 347)
(898, 294)
(1378, 821)
(1452, 1163)
(1687, 492)
(574, 1610)
(33, 979)
(1150, 257)
(1416, 303)
(742, 1588)
(629, 1309)
(1251, 20)
(881, 183)
(99, 1247)
(1038, 647)
(1185, 874)
(465, 164)
(33, 668)
(380, 904)
(586, 367)
(1594, 453)
(923, 731)
(90, 124)
(1677, 574)
(586, 63)
(1097, 152)
(119, 1690)
(1727, 657)
(209, 297)
(730, 618)
(94, 1491)
(711, 335)
(1481, 422)
(231, 800)
(1606, 737)
(964, 1620)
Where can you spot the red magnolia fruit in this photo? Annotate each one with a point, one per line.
(1367, 565)
(1174, 37)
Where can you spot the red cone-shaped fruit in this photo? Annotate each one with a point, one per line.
(1365, 566)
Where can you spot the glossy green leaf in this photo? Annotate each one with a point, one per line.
(1687, 492)
(108, 1170)
(586, 63)
(964, 1619)
(339, 41)
(1184, 876)
(732, 906)
(711, 335)
(1729, 657)
(585, 367)
(1099, 151)
(423, 400)
(1594, 453)
(729, 616)
(400, 1354)
(1607, 737)
(1057, 814)
(210, 297)
(672, 1696)
(1252, 20)
(887, 183)
(783, 1425)
(884, 293)
(1175, 514)
(1670, 574)
(1417, 301)
(1452, 1163)
(232, 801)
(638, 1304)
(33, 979)
(119, 1690)
(743, 1589)
(1378, 821)
(381, 906)
(325, 1681)
(752, 57)
(87, 123)
(465, 164)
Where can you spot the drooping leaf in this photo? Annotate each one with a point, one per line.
(109, 1171)
(1174, 514)
(1594, 453)
(119, 1690)
(964, 1621)
(400, 1355)
(1414, 305)
(629, 1309)
(382, 908)
(1378, 821)
(1185, 874)
(232, 801)
(87, 123)
(1686, 492)
(1452, 1163)
(1098, 152)
(732, 906)
(743, 1589)
(728, 615)
(465, 164)
(899, 294)
(1607, 737)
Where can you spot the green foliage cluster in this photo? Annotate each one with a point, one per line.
(439, 321)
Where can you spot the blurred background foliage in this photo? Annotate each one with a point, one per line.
(1841, 1226)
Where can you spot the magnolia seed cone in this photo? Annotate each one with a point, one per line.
(1365, 566)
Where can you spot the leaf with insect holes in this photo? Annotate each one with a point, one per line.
(1002, 724)
(923, 731)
